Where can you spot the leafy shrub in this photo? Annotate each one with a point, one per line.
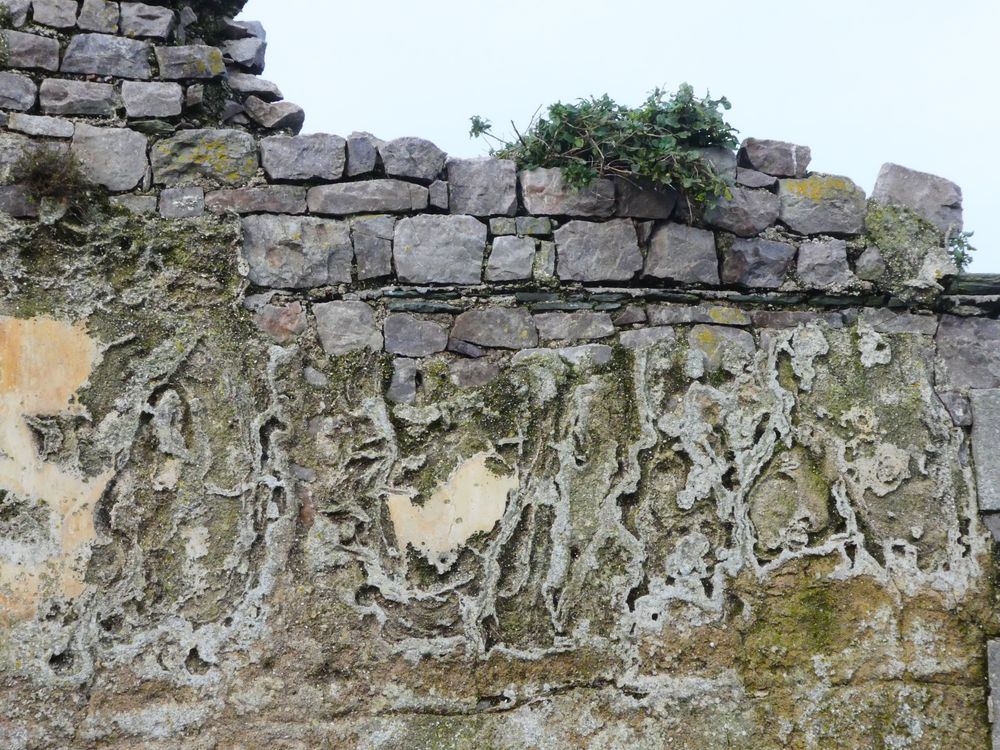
(658, 142)
(961, 249)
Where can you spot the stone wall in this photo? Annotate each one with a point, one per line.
(322, 441)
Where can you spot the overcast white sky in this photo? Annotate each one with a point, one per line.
(862, 82)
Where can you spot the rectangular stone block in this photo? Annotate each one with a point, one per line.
(985, 439)
(47, 127)
(152, 99)
(369, 196)
(31, 51)
(270, 199)
(107, 55)
(98, 15)
(59, 14)
(192, 61)
(993, 667)
(62, 97)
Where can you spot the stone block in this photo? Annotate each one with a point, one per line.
(245, 83)
(136, 204)
(31, 51)
(751, 178)
(682, 253)
(362, 154)
(182, 202)
(590, 251)
(190, 61)
(993, 670)
(99, 15)
(756, 263)
(642, 200)
(246, 53)
(413, 337)
(496, 328)
(546, 193)
(574, 326)
(822, 264)
(439, 250)
(722, 159)
(511, 259)
(438, 195)
(721, 347)
(414, 158)
(534, 226)
(968, 353)
(472, 373)
(936, 199)
(46, 127)
(218, 157)
(107, 55)
(822, 204)
(62, 97)
(275, 115)
(985, 439)
(369, 196)
(18, 10)
(296, 252)
(884, 320)
(723, 315)
(59, 14)
(870, 265)
(776, 158)
(482, 187)
(304, 157)
(403, 385)
(148, 99)
(17, 92)
(642, 338)
(16, 201)
(372, 237)
(281, 323)
(745, 213)
(346, 326)
(112, 157)
(795, 318)
(544, 270)
(269, 199)
(502, 226)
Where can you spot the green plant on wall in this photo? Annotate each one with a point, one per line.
(659, 142)
(961, 249)
(50, 172)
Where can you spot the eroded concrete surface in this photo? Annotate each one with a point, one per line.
(727, 539)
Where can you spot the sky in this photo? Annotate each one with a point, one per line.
(862, 82)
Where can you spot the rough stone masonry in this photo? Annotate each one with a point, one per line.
(318, 441)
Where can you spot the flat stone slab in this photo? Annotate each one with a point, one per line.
(968, 353)
(346, 326)
(296, 252)
(683, 253)
(822, 264)
(574, 326)
(191, 61)
(99, 15)
(415, 158)
(985, 439)
(221, 157)
(496, 328)
(372, 237)
(413, 337)
(757, 263)
(152, 99)
(63, 97)
(822, 204)
(482, 187)
(182, 202)
(140, 19)
(546, 193)
(30, 51)
(439, 250)
(643, 338)
(776, 158)
(17, 92)
(723, 315)
(112, 157)
(107, 55)
(48, 127)
(745, 212)
(993, 668)
(368, 196)
(304, 157)
(936, 199)
(272, 199)
(589, 251)
(511, 259)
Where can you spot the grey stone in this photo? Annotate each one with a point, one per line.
(642, 200)
(16, 201)
(247, 53)
(270, 199)
(776, 158)
(535, 226)
(544, 269)
(756, 263)
(346, 327)
(870, 265)
(822, 204)
(107, 55)
(190, 61)
(48, 127)
(503, 225)
(753, 179)
(362, 154)
(630, 315)
(465, 348)
(439, 250)
(545, 192)
(139, 19)
(245, 83)
(511, 259)
(959, 407)
(98, 15)
(152, 99)
(276, 115)
(472, 373)
(415, 158)
(721, 347)
(573, 326)
(496, 328)
(823, 264)
(60, 97)
(244, 29)
(18, 10)
(31, 51)
(281, 323)
(985, 439)
(194, 96)
(645, 337)
(482, 187)
(683, 253)
(724, 315)
(182, 203)
(304, 157)
(993, 670)
(17, 92)
(578, 356)
(884, 320)
(369, 196)
(745, 213)
(112, 157)
(296, 252)
(314, 377)
(403, 386)
(795, 318)
(968, 353)
(598, 252)
(936, 199)
(59, 14)
(722, 159)
(413, 337)
(137, 204)
(223, 157)
(372, 237)
(438, 195)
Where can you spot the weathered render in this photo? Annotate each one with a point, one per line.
(319, 441)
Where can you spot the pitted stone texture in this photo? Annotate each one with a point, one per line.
(139, 19)
(936, 199)
(985, 439)
(182, 203)
(152, 99)
(870, 265)
(589, 251)
(756, 263)
(414, 158)
(247, 53)
(296, 252)
(511, 259)
(472, 373)
(412, 337)
(645, 337)
(439, 250)
(574, 326)
(683, 253)
(362, 154)
(745, 213)
(642, 200)
(59, 97)
(496, 328)
(582, 355)
(545, 192)
(776, 158)
(219, 157)
(722, 315)
(347, 326)
(482, 187)
(48, 127)
(272, 199)
(31, 51)
(18, 10)
(368, 196)
(372, 237)
(107, 55)
(823, 264)
(304, 157)
(968, 353)
(59, 14)
(753, 179)
(99, 15)
(281, 323)
(822, 204)
(275, 116)
(112, 157)
(884, 320)
(191, 61)
(245, 83)
(403, 386)
(17, 92)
